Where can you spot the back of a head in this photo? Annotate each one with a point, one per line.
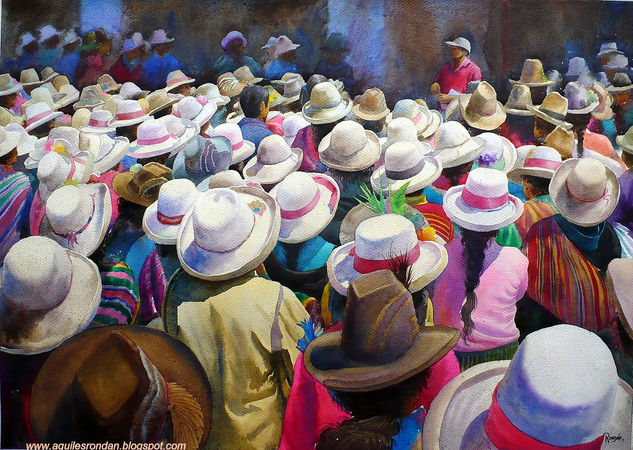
(251, 99)
(375, 433)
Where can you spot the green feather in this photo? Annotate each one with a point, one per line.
(397, 201)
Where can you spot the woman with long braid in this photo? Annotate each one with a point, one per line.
(483, 281)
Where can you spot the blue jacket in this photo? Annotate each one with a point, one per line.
(156, 69)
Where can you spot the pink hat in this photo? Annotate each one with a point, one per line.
(241, 149)
(153, 140)
(199, 109)
(541, 161)
(232, 35)
(38, 114)
(129, 112)
(284, 45)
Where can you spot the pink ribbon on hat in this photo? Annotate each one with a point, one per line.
(541, 163)
(37, 117)
(202, 100)
(130, 115)
(155, 141)
(503, 434)
(480, 202)
(238, 145)
(605, 195)
(73, 159)
(178, 80)
(98, 123)
(72, 237)
(363, 265)
(288, 214)
(416, 119)
(169, 220)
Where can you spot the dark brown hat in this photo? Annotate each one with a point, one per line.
(381, 343)
(142, 186)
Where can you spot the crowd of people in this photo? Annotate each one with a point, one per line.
(268, 262)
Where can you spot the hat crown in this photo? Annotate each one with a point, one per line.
(544, 152)
(101, 115)
(450, 134)
(129, 44)
(379, 322)
(147, 181)
(157, 99)
(588, 179)
(129, 89)
(221, 220)
(296, 191)
(385, 237)
(225, 179)
(569, 380)
(128, 106)
(189, 107)
(42, 94)
(484, 100)
(621, 79)
(532, 71)
(291, 125)
(29, 76)
(53, 170)
(176, 197)
(402, 129)
(406, 108)
(175, 75)
(59, 81)
(520, 96)
(209, 90)
(576, 65)
(402, 156)
(244, 74)
(487, 183)
(174, 125)
(152, 129)
(373, 101)
(618, 61)
(348, 137)
(576, 95)
(492, 151)
(36, 109)
(68, 209)
(325, 95)
(273, 149)
(36, 275)
(6, 82)
(554, 102)
(231, 131)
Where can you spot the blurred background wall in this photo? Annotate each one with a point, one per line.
(397, 45)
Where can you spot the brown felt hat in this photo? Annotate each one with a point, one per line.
(381, 343)
(562, 140)
(141, 187)
(372, 105)
(105, 377)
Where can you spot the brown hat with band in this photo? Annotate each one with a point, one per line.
(142, 186)
(381, 343)
(372, 105)
(122, 383)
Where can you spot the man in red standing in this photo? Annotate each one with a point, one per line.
(455, 75)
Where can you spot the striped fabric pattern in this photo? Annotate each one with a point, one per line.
(119, 297)
(152, 285)
(438, 220)
(14, 192)
(533, 211)
(563, 281)
(626, 239)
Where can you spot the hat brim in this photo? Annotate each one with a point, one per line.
(148, 151)
(430, 264)
(362, 159)
(478, 121)
(121, 185)
(515, 175)
(480, 220)
(173, 359)
(586, 110)
(509, 154)
(32, 84)
(273, 173)
(14, 90)
(68, 99)
(128, 123)
(74, 314)
(170, 103)
(97, 130)
(461, 154)
(178, 84)
(456, 44)
(605, 114)
(533, 84)
(369, 116)
(212, 266)
(327, 364)
(583, 213)
(222, 100)
(89, 106)
(11, 141)
(91, 238)
(617, 89)
(319, 116)
(112, 158)
(240, 154)
(430, 172)
(313, 222)
(205, 115)
(157, 231)
(625, 145)
(436, 121)
(52, 116)
(458, 413)
(536, 110)
(192, 129)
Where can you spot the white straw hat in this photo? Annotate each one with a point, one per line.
(153, 140)
(200, 110)
(349, 147)
(228, 232)
(402, 129)
(381, 242)
(212, 93)
(540, 161)
(130, 91)
(99, 122)
(454, 146)
(129, 112)
(163, 217)
(498, 153)
(177, 78)
(307, 202)
(292, 125)
(274, 160)
(107, 151)
(326, 104)
(241, 149)
(38, 114)
(9, 140)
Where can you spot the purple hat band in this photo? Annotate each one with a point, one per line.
(232, 35)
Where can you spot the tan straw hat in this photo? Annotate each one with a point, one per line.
(481, 109)
(532, 74)
(553, 110)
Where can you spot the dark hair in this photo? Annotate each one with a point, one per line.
(4, 99)
(322, 130)
(373, 125)
(9, 156)
(454, 173)
(128, 132)
(160, 159)
(251, 99)
(375, 433)
(540, 185)
(475, 243)
(166, 250)
(628, 159)
(350, 182)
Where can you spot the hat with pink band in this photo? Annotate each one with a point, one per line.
(541, 162)
(129, 112)
(483, 203)
(241, 149)
(153, 140)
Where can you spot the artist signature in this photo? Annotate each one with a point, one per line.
(609, 438)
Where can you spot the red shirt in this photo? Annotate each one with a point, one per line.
(449, 78)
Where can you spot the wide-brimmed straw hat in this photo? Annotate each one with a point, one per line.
(69, 92)
(608, 48)
(99, 122)
(38, 114)
(625, 141)
(9, 140)
(580, 100)
(8, 85)
(553, 110)
(518, 100)
(406, 162)
(131, 91)
(498, 153)
(159, 100)
(620, 83)
(153, 139)
(349, 147)
(184, 130)
(540, 161)
(532, 74)
(107, 151)
(91, 97)
(163, 217)
(53, 170)
(202, 157)
(77, 217)
(100, 383)
(30, 78)
(380, 243)
(108, 84)
(273, 162)
(44, 94)
(426, 120)
(620, 285)
(454, 145)
(326, 104)
(212, 93)
(381, 343)
(177, 78)
(307, 202)
(160, 37)
(558, 372)
(562, 140)
(200, 109)
(483, 203)
(47, 294)
(289, 86)
(372, 105)
(575, 66)
(584, 191)
(244, 75)
(229, 232)
(241, 149)
(292, 125)
(229, 86)
(603, 111)
(141, 184)
(481, 109)
(129, 112)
